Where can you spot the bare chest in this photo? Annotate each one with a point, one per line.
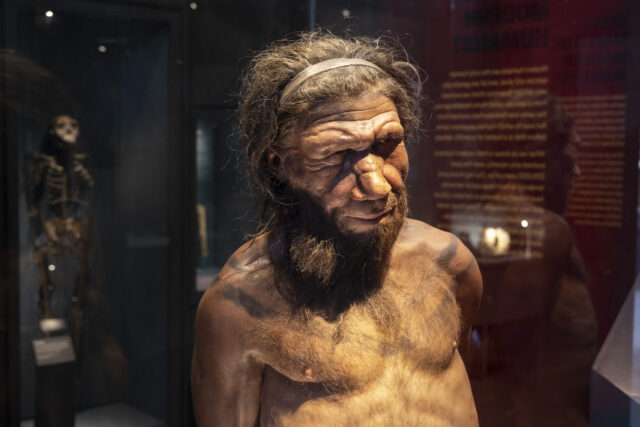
(399, 396)
(416, 323)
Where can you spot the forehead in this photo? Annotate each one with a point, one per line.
(353, 123)
(362, 107)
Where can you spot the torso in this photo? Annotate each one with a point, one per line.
(399, 396)
(65, 189)
(391, 360)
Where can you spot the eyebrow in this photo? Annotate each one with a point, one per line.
(335, 147)
(315, 115)
(390, 136)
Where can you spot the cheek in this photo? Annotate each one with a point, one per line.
(317, 183)
(292, 169)
(340, 193)
(396, 167)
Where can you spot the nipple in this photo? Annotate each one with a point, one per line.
(308, 373)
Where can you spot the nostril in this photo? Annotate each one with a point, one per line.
(357, 194)
(374, 185)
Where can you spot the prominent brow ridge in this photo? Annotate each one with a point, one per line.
(335, 126)
(345, 116)
(391, 136)
(339, 146)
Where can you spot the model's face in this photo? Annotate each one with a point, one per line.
(562, 173)
(66, 128)
(350, 157)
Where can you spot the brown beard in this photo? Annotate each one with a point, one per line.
(325, 269)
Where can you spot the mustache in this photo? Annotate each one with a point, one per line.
(373, 207)
(321, 265)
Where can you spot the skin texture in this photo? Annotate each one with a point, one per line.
(349, 152)
(536, 324)
(391, 359)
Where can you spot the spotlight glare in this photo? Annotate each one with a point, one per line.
(346, 13)
(193, 5)
(52, 267)
(49, 14)
(102, 48)
(524, 223)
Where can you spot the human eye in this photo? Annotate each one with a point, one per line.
(330, 159)
(385, 146)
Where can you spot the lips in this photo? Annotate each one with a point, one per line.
(371, 218)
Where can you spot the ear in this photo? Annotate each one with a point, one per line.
(275, 163)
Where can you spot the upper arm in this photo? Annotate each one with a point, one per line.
(460, 266)
(468, 293)
(225, 376)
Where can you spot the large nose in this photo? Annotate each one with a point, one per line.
(371, 183)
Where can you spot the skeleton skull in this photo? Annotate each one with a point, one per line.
(66, 128)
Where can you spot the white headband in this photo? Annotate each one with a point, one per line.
(321, 67)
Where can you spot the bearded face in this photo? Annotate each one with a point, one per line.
(345, 174)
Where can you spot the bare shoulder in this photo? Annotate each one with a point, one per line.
(246, 260)
(436, 245)
(238, 297)
(225, 370)
(421, 241)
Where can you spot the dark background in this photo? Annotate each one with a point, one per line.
(169, 76)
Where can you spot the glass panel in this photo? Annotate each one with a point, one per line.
(126, 193)
(531, 162)
(95, 253)
(529, 157)
(223, 210)
(616, 371)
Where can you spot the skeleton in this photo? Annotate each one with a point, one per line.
(58, 192)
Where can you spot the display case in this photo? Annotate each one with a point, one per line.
(97, 210)
(615, 380)
(123, 193)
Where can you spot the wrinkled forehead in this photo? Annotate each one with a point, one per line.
(344, 108)
(329, 94)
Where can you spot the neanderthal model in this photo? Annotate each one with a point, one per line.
(58, 192)
(341, 311)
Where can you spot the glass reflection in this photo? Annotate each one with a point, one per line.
(536, 328)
